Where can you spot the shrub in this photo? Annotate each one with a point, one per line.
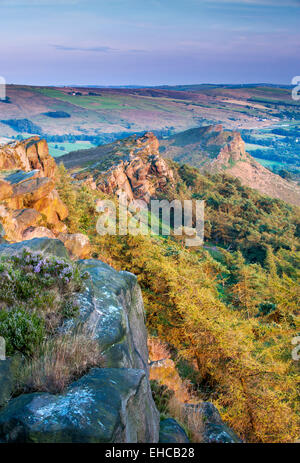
(23, 331)
(161, 396)
(265, 308)
(42, 288)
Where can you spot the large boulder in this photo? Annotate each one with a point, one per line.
(171, 432)
(6, 382)
(16, 221)
(106, 405)
(112, 309)
(112, 404)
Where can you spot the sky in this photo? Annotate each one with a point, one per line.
(149, 42)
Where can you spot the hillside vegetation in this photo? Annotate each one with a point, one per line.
(228, 310)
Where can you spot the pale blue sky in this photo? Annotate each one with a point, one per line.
(149, 42)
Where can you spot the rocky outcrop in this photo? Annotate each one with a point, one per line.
(133, 166)
(111, 404)
(213, 149)
(28, 199)
(28, 155)
(143, 176)
(6, 190)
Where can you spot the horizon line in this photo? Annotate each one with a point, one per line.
(150, 85)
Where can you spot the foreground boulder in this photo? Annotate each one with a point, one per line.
(106, 405)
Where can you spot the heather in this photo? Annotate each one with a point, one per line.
(37, 296)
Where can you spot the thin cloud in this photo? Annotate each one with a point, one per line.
(98, 49)
(13, 3)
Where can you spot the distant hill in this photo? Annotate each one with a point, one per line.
(213, 149)
(96, 111)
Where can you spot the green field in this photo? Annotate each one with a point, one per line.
(253, 147)
(110, 102)
(270, 164)
(55, 151)
(84, 101)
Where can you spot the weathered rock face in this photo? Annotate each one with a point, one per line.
(112, 306)
(111, 404)
(6, 382)
(6, 190)
(133, 166)
(27, 182)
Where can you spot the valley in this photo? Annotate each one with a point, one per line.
(70, 117)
